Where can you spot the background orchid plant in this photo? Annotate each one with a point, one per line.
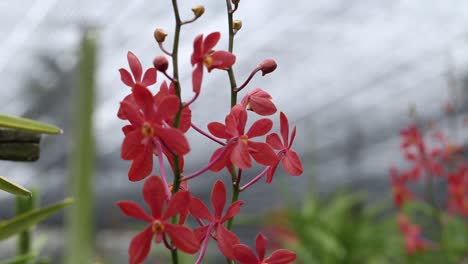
(157, 125)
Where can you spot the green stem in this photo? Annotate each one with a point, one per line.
(175, 76)
(235, 177)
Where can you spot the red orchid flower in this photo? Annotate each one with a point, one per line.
(245, 255)
(225, 238)
(412, 137)
(149, 77)
(159, 223)
(259, 102)
(413, 241)
(240, 147)
(147, 129)
(203, 54)
(401, 194)
(458, 191)
(289, 159)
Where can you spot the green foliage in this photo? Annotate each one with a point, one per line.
(23, 259)
(13, 188)
(28, 125)
(22, 222)
(342, 230)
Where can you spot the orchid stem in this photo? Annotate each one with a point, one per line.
(207, 167)
(206, 134)
(162, 169)
(175, 68)
(255, 179)
(232, 80)
(205, 244)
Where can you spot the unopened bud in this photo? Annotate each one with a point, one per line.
(235, 2)
(236, 25)
(161, 63)
(198, 10)
(267, 66)
(160, 35)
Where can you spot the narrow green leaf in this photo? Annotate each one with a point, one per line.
(13, 226)
(28, 124)
(13, 188)
(23, 259)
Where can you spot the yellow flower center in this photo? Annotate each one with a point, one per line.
(147, 130)
(157, 227)
(208, 61)
(244, 139)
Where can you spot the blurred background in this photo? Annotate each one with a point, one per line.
(349, 73)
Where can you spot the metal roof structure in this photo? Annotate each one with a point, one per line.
(348, 72)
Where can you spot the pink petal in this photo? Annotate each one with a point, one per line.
(178, 203)
(131, 146)
(197, 77)
(284, 127)
(271, 172)
(154, 194)
(126, 77)
(169, 106)
(218, 130)
(134, 210)
(135, 66)
(199, 210)
(274, 141)
(221, 60)
(293, 136)
(226, 241)
(142, 165)
(263, 153)
(197, 50)
(292, 163)
(218, 198)
(182, 238)
(144, 99)
(262, 106)
(260, 245)
(140, 246)
(240, 156)
(260, 128)
(174, 139)
(232, 211)
(222, 162)
(244, 254)
(128, 111)
(281, 256)
(150, 77)
(210, 41)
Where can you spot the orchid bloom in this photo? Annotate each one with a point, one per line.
(160, 224)
(203, 54)
(149, 78)
(240, 147)
(289, 159)
(244, 255)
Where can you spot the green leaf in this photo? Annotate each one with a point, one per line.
(13, 188)
(28, 124)
(23, 259)
(13, 226)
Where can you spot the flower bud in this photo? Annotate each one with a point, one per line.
(235, 2)
(236, 25)
(198, 11)
(160, 35)
(161, 63)
(267, 66)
